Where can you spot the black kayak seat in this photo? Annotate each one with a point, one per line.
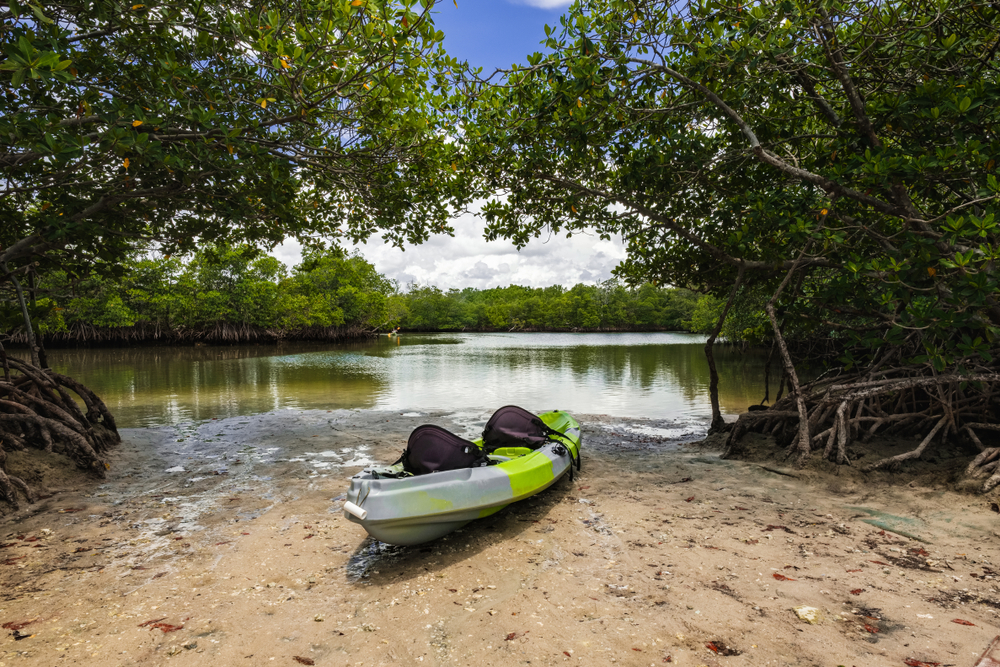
(434, 449)
(512, 426)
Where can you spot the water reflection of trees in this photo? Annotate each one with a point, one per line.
(93, 357)
(676, 367)
(166, 385)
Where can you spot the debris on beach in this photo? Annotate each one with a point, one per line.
(17, 625)
(991, 656)
(810, 615)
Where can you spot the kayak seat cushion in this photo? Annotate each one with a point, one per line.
(434, 449)
(511, 426)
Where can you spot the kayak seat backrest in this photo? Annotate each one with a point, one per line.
(511, 426)
(433, 449)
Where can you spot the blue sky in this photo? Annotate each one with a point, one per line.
(491, 34)
(495, 33)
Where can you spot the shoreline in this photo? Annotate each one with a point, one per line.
(152, 337)
(87, 336)
(245, 552)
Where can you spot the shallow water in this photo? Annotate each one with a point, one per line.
(656, 375)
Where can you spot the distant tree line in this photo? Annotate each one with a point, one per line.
(236, 294)
(219, 294)
(608, 306)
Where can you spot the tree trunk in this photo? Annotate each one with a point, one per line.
(29, 331)
(718, 423)
(43, 359)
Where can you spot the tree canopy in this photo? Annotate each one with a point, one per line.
(221, 294)
(190, 123)
(837, 157)
(184, 124)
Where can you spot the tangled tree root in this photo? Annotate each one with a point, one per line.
(987, 463)
(39, 410)
(848, 409)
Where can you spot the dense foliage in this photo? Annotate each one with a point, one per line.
(191, 124)
(609, 306)
(232, 294)
(194, 123)
(836, 159)
(855, 140)
(219, 294)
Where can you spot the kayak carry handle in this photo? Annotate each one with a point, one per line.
(354, 510)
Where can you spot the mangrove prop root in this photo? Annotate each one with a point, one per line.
(39, 411)
(912, 454)
(987, 462)
(991, 482)
(9, 485)
(843, 411)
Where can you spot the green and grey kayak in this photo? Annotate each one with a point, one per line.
(416, 509)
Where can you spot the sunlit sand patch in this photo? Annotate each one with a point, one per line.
(639, 559)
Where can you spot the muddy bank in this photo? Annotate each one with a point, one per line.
(223, 542)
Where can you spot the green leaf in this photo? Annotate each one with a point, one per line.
(38, 14)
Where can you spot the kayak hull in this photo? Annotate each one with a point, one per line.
(414, 510)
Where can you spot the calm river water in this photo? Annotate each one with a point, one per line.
(657, 375)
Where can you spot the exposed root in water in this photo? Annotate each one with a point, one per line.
(38, 411)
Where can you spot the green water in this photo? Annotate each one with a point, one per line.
(661, 375)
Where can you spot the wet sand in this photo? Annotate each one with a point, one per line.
(223, 542)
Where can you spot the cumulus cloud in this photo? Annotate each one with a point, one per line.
(468, 260)
(480, 272)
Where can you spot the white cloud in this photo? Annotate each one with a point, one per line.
(288, 253)
(468, 260)
(544, 4)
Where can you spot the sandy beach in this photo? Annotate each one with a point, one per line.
(223, 542)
